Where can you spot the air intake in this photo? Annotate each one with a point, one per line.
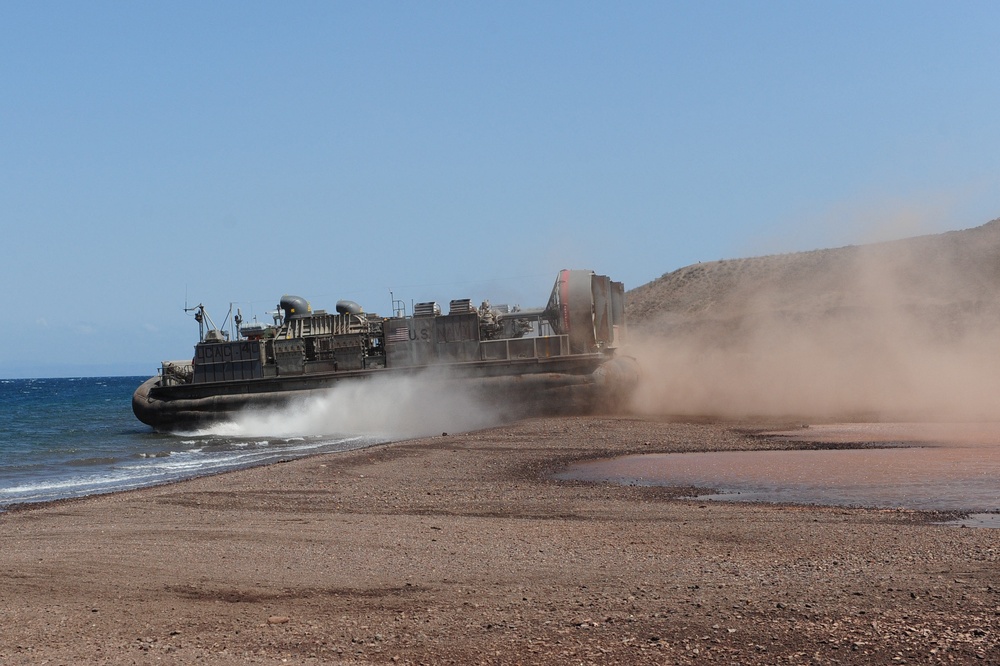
(294, 306)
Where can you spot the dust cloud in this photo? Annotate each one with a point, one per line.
(396, 407)
(903, 330)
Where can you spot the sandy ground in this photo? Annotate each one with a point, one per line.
(461, 549)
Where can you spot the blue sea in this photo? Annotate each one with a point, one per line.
(62, 438)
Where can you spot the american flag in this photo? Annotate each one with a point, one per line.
(401, 334)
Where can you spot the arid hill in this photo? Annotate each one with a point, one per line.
(953, 272)
(907, 328)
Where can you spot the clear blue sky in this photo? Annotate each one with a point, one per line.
(235, 151)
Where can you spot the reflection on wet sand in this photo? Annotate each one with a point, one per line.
(913, 466)
(984, 434)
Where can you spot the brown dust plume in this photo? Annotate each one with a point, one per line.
(906, 330)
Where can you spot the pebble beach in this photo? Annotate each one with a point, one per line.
(464, 549)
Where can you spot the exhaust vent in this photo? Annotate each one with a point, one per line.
(461, 306)
(429, 309)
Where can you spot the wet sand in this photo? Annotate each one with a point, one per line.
(463, 549)
(923, 466)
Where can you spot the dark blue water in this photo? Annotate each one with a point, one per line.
(64, 438)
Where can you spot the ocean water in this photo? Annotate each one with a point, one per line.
(62, 438)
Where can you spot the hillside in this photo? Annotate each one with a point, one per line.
(954, 270)
(896, 328)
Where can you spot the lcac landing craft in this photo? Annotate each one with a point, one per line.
(556, 359)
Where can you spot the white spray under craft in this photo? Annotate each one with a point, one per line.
(557, 359)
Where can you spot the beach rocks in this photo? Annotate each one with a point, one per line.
(465, 550)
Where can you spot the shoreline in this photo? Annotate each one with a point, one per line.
(130, 484)
(462, 548)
